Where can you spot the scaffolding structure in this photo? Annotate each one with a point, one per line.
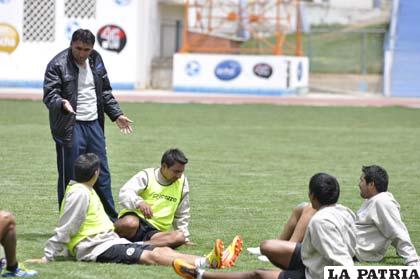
(241, 26)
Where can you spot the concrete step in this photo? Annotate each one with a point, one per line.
(161, 73)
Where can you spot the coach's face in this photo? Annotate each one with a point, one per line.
(173, 172)
(80, 52)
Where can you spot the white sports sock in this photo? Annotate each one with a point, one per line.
(254, 250)
(201, 262)
(263, 258)
(200, 273)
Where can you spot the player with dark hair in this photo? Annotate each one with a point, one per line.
(156, 207)
(155, 201)
(379, 222)
(85, 231)
(172, 156)
(329, 240)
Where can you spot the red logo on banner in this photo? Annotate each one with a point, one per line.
(112, 37)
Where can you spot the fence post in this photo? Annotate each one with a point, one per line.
(309, 50)
(362, 82)
(178, 29)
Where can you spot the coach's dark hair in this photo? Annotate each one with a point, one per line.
(84, 36)
(325, 188)
(85, 167)
(377, 175)
(173, 155)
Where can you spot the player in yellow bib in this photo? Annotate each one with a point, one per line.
(155, 204)
(85, 232)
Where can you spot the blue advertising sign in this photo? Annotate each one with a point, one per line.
(227, 70)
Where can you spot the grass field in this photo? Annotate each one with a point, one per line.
(338, 49)
(249, 165)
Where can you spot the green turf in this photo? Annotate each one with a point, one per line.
(249, 165)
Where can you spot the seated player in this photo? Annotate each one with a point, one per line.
(155, 201)
(378, 223)
(86, 233)
(330, 239)
(8, 241)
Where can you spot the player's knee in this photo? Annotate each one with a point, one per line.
(126, 224)
(265, 247)
(157, 254)
(297, 211)
(7, 219)
(149, 257)
(179, 238)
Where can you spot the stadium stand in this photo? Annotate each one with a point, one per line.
(405, 79)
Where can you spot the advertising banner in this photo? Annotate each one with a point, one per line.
(243, 74)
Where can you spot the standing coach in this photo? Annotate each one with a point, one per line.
(77, 93)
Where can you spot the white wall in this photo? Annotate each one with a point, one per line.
(353, 4)
(144, 43)
(27, 63)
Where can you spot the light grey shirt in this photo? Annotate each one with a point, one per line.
(75, 210)
(87, 109)
(330, 240)
(379, 225)
(129, 198)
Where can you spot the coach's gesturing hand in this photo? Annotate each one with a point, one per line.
(123, 122)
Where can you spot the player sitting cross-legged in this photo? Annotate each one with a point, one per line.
(86, 233)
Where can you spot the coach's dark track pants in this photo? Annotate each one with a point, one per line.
(88, 137)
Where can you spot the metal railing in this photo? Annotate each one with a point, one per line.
(345, 51)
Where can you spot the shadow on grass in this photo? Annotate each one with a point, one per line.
(392, 260)
(389, 260)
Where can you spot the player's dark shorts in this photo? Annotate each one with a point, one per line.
(296, 269)
(145, 230)
(124, 253)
